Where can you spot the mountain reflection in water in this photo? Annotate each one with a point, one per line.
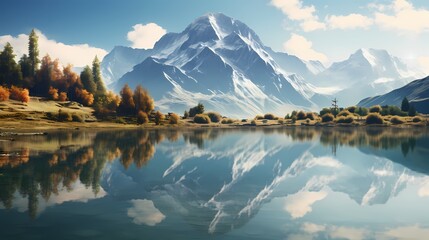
(230, 183)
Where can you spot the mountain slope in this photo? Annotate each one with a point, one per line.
(120, 61)
(222, 63)
(417, 93)
(367, 72)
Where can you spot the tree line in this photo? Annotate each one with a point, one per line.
(32, 76)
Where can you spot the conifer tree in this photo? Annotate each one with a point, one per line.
(96, 73)
(405, 105)
(33, 52)
(88, 80)
(10, 71)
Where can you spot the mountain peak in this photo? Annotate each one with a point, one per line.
(216, 26)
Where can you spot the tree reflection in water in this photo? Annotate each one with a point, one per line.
(34, 166)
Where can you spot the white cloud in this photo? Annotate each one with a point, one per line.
(302, 48)
(351, 21)
(295, 11)
(78, 55)
(312, 25)
(409, 232)
(144, 212)
(299, 204)
(348, 233)
(145, 36)
(404, 17)
(312, 228)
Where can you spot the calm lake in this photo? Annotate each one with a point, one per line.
(300, 183)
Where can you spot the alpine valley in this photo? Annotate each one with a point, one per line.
(222, 63)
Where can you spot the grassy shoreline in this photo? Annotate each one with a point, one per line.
(32, 117)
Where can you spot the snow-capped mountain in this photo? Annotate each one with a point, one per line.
(367, 72)
(120, 61)
(222, 63)
(417, 93)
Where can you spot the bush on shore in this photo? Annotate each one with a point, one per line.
(374, 118)
(202, 119)
(328, 117)
(214, 117)
(396, 120)
(345, 119)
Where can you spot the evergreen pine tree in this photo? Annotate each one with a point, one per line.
(88, 80)
(33, 52)
(405, 105)
(10, 71)
(96, 73)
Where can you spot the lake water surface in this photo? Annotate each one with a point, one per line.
(300, 183)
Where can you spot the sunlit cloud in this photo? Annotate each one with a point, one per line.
(296, 11)
(145, 36)
(402, 16)
(299, 204)
(403, 233)
(303, 48)
(144, 212)
(351, 21)
(78, 55)
(348, 233)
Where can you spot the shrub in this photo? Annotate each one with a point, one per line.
(311, 116)
(227, 121)
(174, 119)
(253, 123)
(269, 116)
(201, 118)
(214, 117)
(77, 118)
(344, 113)
(259, 117)
(417, 119)
(293, 119)
(243, 120)
(324, 111)
(4, 94)
(199, 109)
(301, 115)
(343, 119)
(396, 120)
(281, 121)
(84, 97)
(328, 117)
(361, 111)
(375, 109)
(142, 117)
(19, 94)
(352, 109)
(287, 116)
(64, 116)
(185, 114)
(264, 121)
(53, 93)
(62, 97)
(159, 117)
(374, 118)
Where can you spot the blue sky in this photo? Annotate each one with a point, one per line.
(328, 30)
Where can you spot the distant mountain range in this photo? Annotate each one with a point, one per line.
(417, 92)
(222, 63)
